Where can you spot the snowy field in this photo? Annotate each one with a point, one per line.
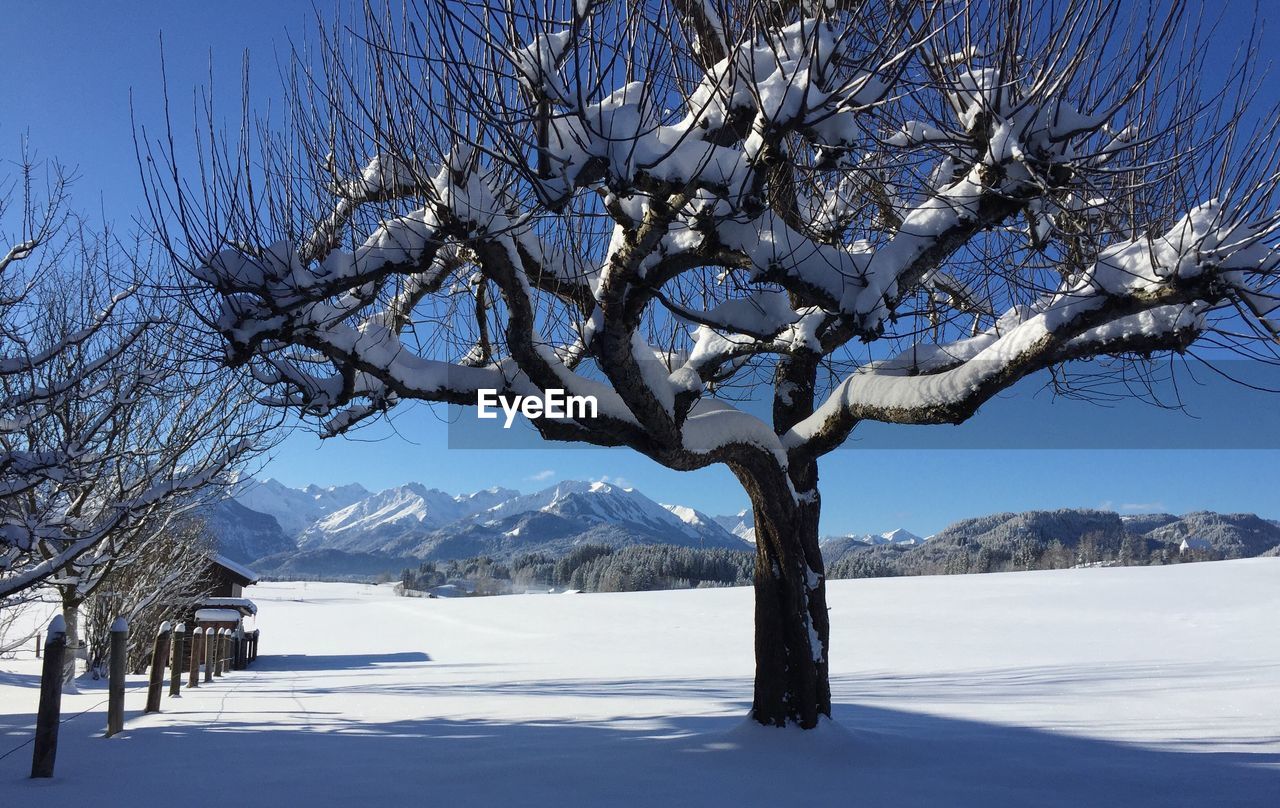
(1100, 687)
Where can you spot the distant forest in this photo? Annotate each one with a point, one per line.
(589, 568)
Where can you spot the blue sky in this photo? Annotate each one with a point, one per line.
(69, 72)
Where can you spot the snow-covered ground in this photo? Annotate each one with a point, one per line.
(1097, 687)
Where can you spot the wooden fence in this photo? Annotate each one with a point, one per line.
(220, 649)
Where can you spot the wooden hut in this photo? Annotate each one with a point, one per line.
(227, 608)
(228, 578)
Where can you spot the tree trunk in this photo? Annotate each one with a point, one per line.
(791, 626)
(71, 614)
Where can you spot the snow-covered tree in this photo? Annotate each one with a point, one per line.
(884, 211)
(108, 428)
(163, 573)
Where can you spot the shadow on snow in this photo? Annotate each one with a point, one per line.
(871, 756)
(335, 662)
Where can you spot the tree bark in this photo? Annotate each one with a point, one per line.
(71, 614)
(792, 630)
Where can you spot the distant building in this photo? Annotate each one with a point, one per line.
(1195, 545)
(228, 578)
(225, 607)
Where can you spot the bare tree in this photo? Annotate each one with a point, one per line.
(163, 574)
(877, 211)
(110, 430)
(162, 423)
(15, 630)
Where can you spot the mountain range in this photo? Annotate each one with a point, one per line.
(834, 547)
(329, 531)
(348, 530)
(1059, 538)
(296, 509)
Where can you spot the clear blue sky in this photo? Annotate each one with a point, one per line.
(69, 71)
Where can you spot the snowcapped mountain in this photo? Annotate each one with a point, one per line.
(414, 521)
(741, 524)
(567, 514)
(837, 547)
(486, 499)
(594, 503)
(295, 509)
(899, 537)
(407, 506)
(690, 516)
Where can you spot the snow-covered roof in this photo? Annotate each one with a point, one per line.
(238, 569)
(244, 605)
(1195, 544)
(450, 590)
(217, 616)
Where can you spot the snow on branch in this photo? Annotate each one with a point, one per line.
(1140, 296)
(18, 252)
(106, 422)
(914, 207)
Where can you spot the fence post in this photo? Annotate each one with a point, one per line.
(37, 645)
(115, 684)
(159, 658)
(217, 653)
(209, 640)
(49, 714)
(175, 662)
(197, 644)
